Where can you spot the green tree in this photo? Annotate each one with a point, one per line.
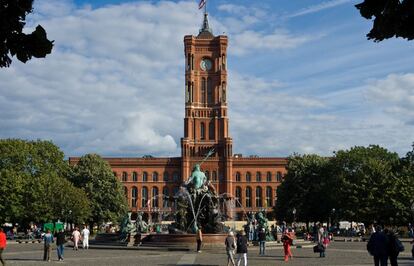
(370, 185)
(107, 199)
(407, 185)
(12, 39)
(392, 18)
(307, 188)
(33, 177)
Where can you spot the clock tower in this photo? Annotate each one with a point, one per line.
(206, 123)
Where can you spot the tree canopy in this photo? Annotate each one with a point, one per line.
(13, 42)
(393, 18)
(34, 185)
(104, 191)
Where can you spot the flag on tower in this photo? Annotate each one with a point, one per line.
(202, 4)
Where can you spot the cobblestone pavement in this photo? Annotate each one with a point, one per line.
(339, 253)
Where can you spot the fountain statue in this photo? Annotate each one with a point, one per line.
(141, 225)
(198, 205)
(127, 228)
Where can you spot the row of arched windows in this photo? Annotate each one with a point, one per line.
(258, 178)
(154, 177)
(150, 200)
(246, 200)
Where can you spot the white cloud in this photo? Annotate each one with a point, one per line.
(318, 7)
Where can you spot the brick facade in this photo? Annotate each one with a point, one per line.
(150, 183)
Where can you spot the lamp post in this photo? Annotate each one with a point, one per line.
(294, 218)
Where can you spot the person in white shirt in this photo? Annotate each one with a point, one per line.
(85, 237)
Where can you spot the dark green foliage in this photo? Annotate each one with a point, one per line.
(34, 185)
(13, 41)
(104, 191)
(392, 18)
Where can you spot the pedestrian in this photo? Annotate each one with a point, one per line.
(199, 237)
(60, 242)
(241, 248)
(85, 237)
(48, 240)
(262, 241)
(322, 240)
(230, 243)
(393, 247)
(75, 238)
(377, 247)
(287, 240)
(3, 244)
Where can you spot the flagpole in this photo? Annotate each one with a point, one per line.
(205, 8)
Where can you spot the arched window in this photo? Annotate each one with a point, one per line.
(155, 177)
(258, 176)
(144, 177)
(211, 130)
(176, 177)
(259, 197)
(155, 197)
(126, 192)
(134, 177)
(134, 196)
(207, 173)
(165, 197)
(238, 197)
(124, 176)
(144, 197)
(238, 177)
(214, 176)
(209, 91)
(114, 173)
(248, 197)
(279, 177)
(203, 90)
(202, 130)
(269, 177)
(248, 177)
(165, 176)
(268, 197)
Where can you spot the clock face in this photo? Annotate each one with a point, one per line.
(206, 64)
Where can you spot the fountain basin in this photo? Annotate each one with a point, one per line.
(208, 239)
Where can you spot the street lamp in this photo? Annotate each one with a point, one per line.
(294, 215)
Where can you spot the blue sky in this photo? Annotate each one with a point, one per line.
(302, 78)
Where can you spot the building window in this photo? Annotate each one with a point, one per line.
(155, 177)
(248, 177)
(176, 177)
(134, 177)
(144, 199)
(207, 173)
(238, 198)
(214, 176)
(124, 176)
(258, 177)
(269, 177)
(115, 174)
(259, 197)
(165, 197)
(134, 196)
(268, 197)
(248, 197)
(279, 177)
(144, 177)
(126, 192)
(211, 130)
(203, 90)
(209, 91)
(165, 176)
(202, 130)
(238, 178)
(154, 197)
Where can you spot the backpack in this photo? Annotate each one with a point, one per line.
(399, 245)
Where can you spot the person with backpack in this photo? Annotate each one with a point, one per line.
(48, 240)
(394, 247)
(377, 247)
(241, 248)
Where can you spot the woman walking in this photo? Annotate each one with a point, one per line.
(241, 248)
(60, 242)
(230, 243)
(287, 240)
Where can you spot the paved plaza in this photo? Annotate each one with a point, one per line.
(339, 253)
